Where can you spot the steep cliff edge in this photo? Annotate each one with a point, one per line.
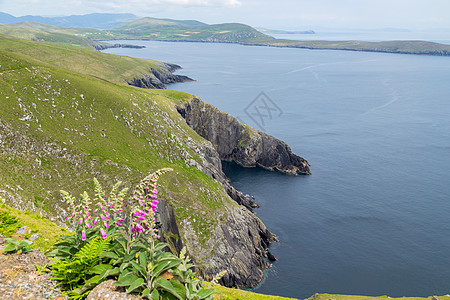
(235, 141)
(157, 78)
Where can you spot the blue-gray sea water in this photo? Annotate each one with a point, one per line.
(374, 216)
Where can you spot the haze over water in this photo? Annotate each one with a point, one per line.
(374, 217)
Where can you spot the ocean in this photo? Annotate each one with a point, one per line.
(374, 216)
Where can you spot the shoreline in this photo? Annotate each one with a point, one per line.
(394, 50)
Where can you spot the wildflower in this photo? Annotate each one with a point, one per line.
(103, 233)
(89, 226)
(106, 225)
(83, 236)
(95, 222)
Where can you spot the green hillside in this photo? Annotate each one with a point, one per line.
(87, 61)
(165, 29)
(59, 129)
(47, 33)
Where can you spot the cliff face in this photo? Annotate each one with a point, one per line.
(241, 240)
(238, 142)
(158, 78)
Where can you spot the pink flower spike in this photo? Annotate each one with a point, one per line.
(139, 227)
(154, 196)
(141, 218)
(83, 236)
(106, 225)
(121, 219)
(103, 233)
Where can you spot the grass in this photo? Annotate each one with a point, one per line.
(236, 294)
(48, 231)
(89, 62)
(61, 129)
(351, 297)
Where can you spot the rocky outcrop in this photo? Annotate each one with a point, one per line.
(235, 141)
(242, 250)
(157, 78)
(104, 46)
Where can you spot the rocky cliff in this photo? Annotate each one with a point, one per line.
(157, 78)
(235, 141)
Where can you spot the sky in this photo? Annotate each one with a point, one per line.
(273, 14)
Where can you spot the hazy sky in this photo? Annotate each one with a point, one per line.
(277, 14)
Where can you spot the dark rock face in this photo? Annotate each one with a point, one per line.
(158, 78)
(238, 142)
(240, 249)
(241, 241)
(168, 228)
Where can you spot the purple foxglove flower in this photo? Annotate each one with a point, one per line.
(83, 236)
(153, 205)
(103, 233)
(95, 222)
(121, 219)
(88, 225)
(107, 216)
(139, 227)
(81, 221)
(141, 218)
(154, 196)
(88, 213)
(118, 224)
(90, 218)
(73, 215)
(106, 225)
(147, 188)
(103, 218)
(136, 213)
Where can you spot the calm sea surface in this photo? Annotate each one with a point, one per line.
(374, 218)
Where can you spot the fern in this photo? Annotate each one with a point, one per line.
(75, 272)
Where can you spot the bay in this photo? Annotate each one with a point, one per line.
(374, 217)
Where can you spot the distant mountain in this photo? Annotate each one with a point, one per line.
(189, 30)
(96, 20)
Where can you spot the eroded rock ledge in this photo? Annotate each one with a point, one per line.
(157, 78)
(235, 141)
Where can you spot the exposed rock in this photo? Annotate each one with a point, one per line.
(105, 46)
(235, 141)
(158, 78)
(240, 249)
(108, 291)
(167, 224)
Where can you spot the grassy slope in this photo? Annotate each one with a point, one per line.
(48, 231)
(80, 127)
(47, 33)
(90, 62)
(159, 29)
